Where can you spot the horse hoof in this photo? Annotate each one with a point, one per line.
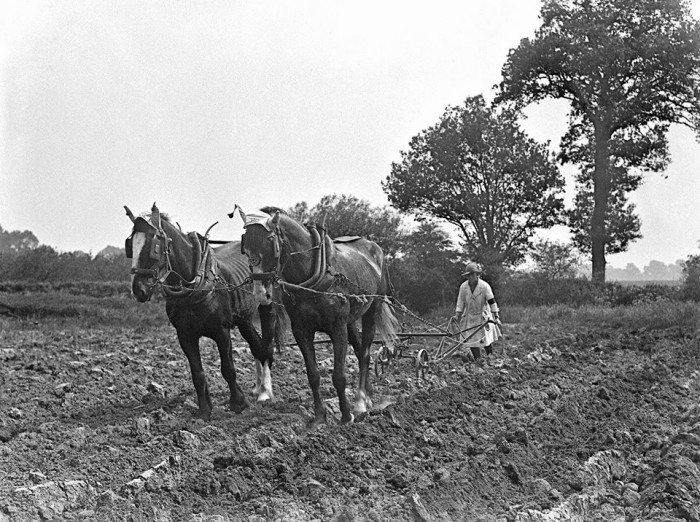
(238, 407)
(265, 397)
(360, 417)
(315, 423)
(350, 419)
(362, 404)
(205, 415)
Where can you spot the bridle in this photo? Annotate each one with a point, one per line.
(321, 265)
(265, 277)
(205, 266)
(160, 248)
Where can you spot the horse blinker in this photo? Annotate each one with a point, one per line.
(275, 245)
(156, 247)
(128, 246)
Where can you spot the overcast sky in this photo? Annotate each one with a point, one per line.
(203, 105)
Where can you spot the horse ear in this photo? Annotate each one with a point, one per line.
(129, 213)
(240, 211)
(275, 220)
(155, 215)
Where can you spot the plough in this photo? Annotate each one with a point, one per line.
(451, 340)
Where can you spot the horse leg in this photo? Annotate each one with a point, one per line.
(305, 341)
(369, 329)
(263, 352)
(190, 345)
(237, 402)
(362, 400)
(340, 347)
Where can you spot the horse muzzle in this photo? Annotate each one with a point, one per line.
(262, 288)
(141, 289)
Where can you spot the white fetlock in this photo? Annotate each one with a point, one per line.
(265, 390)
(264, 396)
(361, 402)
(258, 378)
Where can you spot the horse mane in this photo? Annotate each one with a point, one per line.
(163, 216)
(272, 209)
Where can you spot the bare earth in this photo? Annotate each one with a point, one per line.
(569, 423)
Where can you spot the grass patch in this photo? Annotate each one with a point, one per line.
(60, 309)
(650, 315)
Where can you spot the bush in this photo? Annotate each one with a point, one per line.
(536, 290)
(617, 294)
(653, 315)
(691, 279)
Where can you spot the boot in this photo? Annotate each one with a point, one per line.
(476, 352)
(489, 349)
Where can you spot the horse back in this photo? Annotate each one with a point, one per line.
(362, 262)
(232, 264)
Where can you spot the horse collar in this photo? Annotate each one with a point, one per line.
(193, 291)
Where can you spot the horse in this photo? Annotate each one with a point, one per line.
(207, 293)
(327, 286)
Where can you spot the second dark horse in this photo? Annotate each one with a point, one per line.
(327, 286)
(205, 296)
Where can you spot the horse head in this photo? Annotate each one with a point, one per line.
(147, 248)
(261, 242)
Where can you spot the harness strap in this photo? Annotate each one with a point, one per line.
(320, 265)
(203, 263)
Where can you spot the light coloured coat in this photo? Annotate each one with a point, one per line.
(474, 310)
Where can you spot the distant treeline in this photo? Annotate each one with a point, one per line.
(43, 264)
(425, 276)
(654, 271)
(43, 270)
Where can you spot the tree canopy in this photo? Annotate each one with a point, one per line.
(427, 273)
(555, 260)
(629, 69)
(347, 215)
(476, 169)
(16, 241)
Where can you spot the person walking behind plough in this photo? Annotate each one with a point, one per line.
(475, 305)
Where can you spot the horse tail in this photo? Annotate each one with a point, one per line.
(387, 323)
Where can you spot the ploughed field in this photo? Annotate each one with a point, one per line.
(585, 415)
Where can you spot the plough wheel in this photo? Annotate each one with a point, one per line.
(422, 362)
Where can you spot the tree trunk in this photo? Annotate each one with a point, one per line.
(492, 262)
(601, 191)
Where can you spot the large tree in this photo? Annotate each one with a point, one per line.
(476, 169)
(629, 69)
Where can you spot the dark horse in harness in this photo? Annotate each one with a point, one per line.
(207, 292)
(326, 287)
